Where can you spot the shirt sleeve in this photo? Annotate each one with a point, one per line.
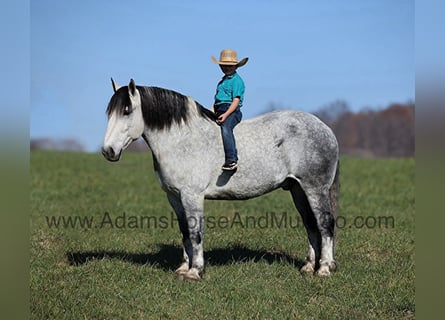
(238, 89)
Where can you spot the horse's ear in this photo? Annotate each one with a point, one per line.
(115, 85)
(132, 87)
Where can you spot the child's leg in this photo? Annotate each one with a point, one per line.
(227, 136)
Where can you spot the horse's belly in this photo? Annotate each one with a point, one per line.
(227, 194)
(229, 186)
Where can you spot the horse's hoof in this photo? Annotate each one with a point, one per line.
(192, 274)
(180, 276)
(308, 269)
(333, 266)
(323, 272)
(183, 268)
(326, 268)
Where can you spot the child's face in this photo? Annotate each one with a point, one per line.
(227, 70)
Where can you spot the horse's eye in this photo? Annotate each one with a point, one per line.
(127, 110)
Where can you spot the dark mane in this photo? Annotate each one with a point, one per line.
(160, 107)
(118, 101)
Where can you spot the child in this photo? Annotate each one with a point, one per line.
(228, 101)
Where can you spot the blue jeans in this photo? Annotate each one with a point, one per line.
(227, 131)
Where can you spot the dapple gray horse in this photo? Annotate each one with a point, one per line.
(283, 149)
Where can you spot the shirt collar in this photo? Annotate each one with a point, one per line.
(230, 76)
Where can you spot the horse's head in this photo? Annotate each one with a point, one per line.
(125, 121)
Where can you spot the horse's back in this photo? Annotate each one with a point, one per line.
(274, 147)
(295, 123)
(287, 133)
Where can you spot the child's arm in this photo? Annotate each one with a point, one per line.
(232, 108)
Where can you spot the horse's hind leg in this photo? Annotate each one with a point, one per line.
(310, 223)
(319, 202)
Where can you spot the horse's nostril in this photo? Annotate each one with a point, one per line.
(108, 152)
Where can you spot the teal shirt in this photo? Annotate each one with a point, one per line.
(230, 87)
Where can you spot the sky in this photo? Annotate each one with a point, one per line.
(302, 55)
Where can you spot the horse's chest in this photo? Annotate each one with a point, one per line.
(168, 183)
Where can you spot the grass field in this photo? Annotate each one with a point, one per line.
(104, 245)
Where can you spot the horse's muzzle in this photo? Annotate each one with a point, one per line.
(110, 154)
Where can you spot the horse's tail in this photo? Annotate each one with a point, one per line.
(334, 191)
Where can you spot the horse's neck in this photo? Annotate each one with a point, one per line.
(188, 137)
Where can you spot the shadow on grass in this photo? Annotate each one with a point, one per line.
(168, 257)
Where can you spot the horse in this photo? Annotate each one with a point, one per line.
(292, 150)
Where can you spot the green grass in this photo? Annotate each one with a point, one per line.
(116, 272)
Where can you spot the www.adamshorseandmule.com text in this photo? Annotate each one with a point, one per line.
(236, 220)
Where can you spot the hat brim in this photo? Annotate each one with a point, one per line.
(225, 63)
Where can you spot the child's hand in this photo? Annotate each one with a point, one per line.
(222, 118)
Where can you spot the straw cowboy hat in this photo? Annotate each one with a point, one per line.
(229, 58)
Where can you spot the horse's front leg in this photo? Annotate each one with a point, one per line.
(194, 212)
(191, 223)
(176, 204)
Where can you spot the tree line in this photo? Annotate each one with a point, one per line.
(372, 133)
(367, 133)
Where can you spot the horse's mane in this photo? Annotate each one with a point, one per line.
(160, 107)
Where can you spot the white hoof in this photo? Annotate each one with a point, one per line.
(183, 268)
(323, 271)
(327, 268)
(192, 274)
(308, 268)
(333, 266)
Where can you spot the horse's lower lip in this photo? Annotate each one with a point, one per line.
(112, 159)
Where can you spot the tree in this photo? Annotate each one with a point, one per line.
(333, 111)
